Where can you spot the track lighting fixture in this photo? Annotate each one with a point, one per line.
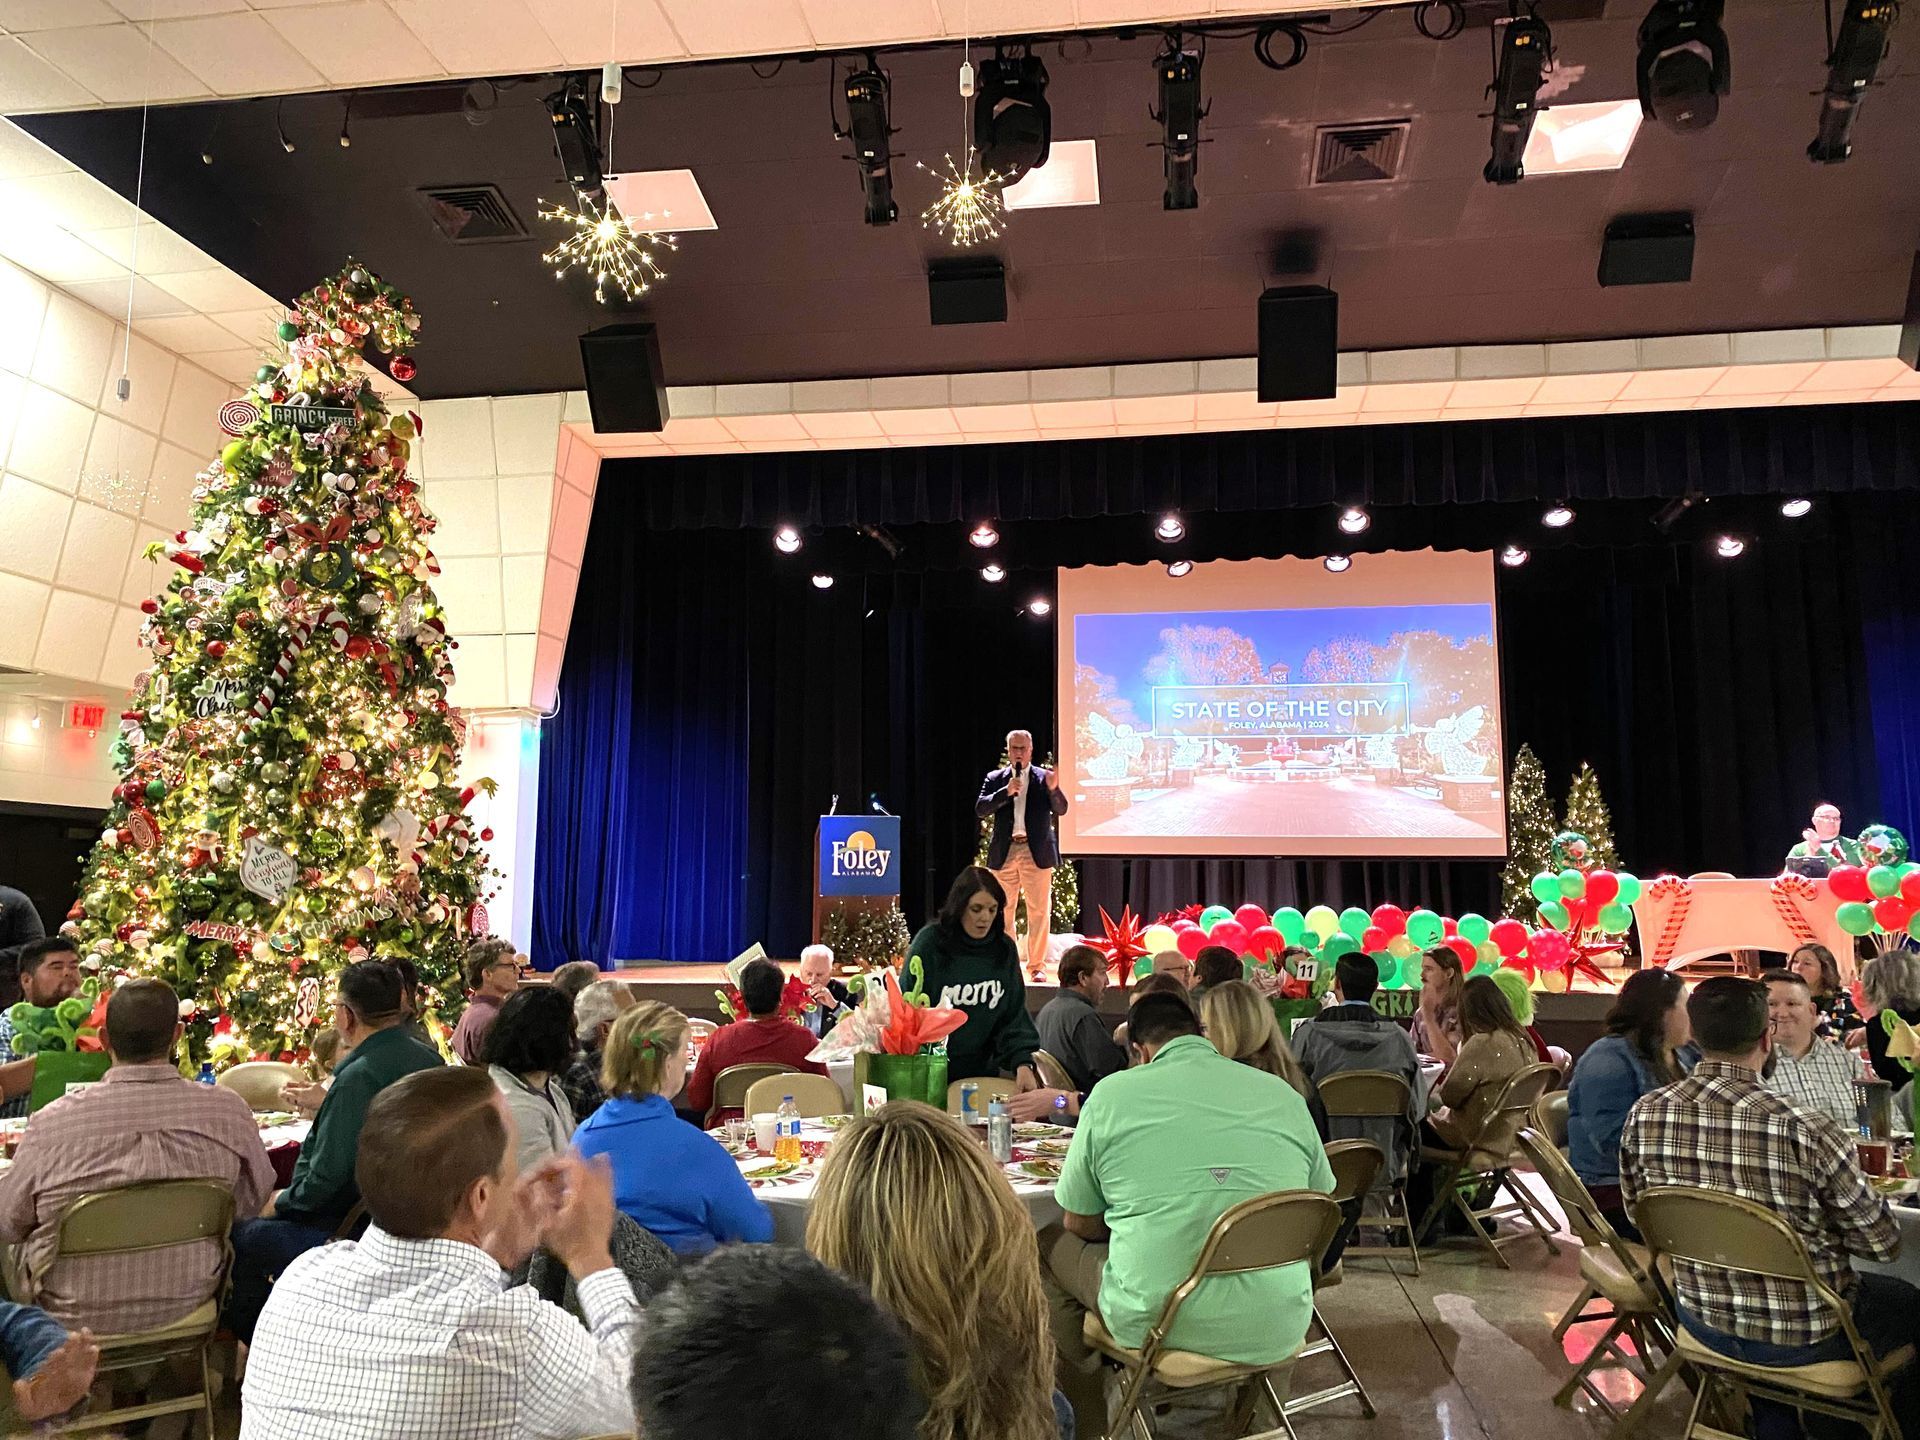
(1526, 50)
(1853, 60)
(1180, 113)
(1558, 517)
(984, 536)
(1683, 67)
(786, 540)
(868, 96)
(1170, 528)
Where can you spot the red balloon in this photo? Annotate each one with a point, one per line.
(1849, 882)
(1230, 933)
(1391, 920)
(1265, 941)
(1449, 927)
(1509, 935)
(1463, 947)
(1251, 918)
(1602, 886)
(1181, 927)
(1374, 939)
(1190, 941)
(1892, 912)
(1549, 949)
(1910, 887)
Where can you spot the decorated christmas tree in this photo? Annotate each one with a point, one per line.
(1587, 813)
(286, 802)
(866, 936)
(1066, 877)
(1530, 831)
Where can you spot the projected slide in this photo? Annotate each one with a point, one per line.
(1270, 707)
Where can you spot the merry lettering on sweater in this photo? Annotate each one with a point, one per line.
(977, 992)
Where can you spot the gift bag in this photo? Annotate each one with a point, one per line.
(55, 1070)
(905, 1077)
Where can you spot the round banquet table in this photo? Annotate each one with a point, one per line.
(790, 1197)
(1905, 1265)
(283, 1141)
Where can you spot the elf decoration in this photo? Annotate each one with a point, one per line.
(1880, 898)
(286, 801)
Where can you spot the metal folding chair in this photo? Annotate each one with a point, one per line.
(1373, 1095)
(1355, 1164)
(730, 1086)
(813, 1095)
(1487, 1158)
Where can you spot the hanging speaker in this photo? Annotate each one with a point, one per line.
(1299, 343)
(626, 389)
(971, 290)
(1648, 250)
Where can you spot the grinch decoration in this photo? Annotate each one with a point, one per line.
(1530, 827)
(1588, 814)
(286, 802)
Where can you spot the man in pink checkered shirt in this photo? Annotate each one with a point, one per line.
(142, 1123)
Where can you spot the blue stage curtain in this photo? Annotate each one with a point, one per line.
(1882, 551)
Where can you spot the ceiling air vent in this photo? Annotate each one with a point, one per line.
(471, 214)
(1348, 154)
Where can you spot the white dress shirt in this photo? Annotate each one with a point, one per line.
(392, 1339)
(1020, 803)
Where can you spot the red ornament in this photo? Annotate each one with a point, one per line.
(246, 620)
(402, 368)
(150, 607)
(487, 833)
(216, 648)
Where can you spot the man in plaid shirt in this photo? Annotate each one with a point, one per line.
(1722, 1129)
(1814, 1074)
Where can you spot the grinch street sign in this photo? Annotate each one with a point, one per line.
(305, 418)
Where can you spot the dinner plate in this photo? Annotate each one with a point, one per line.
(1050, 1147)
(1042, 1169)
(775, 1172)
(268, 1119)
(1034, 1130)
(834, 1122)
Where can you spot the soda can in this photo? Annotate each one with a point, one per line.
(968, 1114)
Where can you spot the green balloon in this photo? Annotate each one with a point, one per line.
(1555, 914)
(1212, 916)
(1425, 929)
(1884, 844)
(1482, 967)
(1906, 868)
(1629, 887)
(1913, 928)
(1476, 928)
(1339, 945)
(1883, 880)
(1389, 968)
(1354, 921)
(1290, 923)
(1615, 919)
(1143, 966)
(1545, 887)
(1572, 884)
(1854, 917)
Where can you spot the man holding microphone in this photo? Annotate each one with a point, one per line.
(1023, 802)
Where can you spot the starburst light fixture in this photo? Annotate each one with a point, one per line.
(606, 247)
(969, 210)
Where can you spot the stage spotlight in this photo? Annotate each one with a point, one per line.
(1354, 521)
(1853, 60)
(1728, 546)
(823, 582)
(786, 539)
(1180, 114)
(1670, 513)
(1177, 568)
(1526, 50)
(984, 536)
(1337, 563)
(1040, 605)
(1012, 122)
(1513, 557)
(1794, 509)
(1170, 528)
(575, 136)
(1683, 68)
(992, 574)
(1558, 517)
(867, 94)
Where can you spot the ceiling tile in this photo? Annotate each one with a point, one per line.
(585, 29)
(849, 425)
(1672, 384)
(253, 325)
(29, 82)
(1017, 17)
(360, 44)
(74, 201)
(22, 155)
(1072, 414)
(1762, 379)
(739, 27)
(237, 54)
(188, 334)
(464, 48)
(860, 22)
(1841, 375)
(110, 296)
(1492, 394)
(23, 17)
(1558, 390)
(53, 254)
(214, 290)
(1422, 395)
(144, 10)
(157, 249)
(116, 63)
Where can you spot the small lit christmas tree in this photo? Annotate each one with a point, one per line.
(1530, 831)
(1065, 918)
(286, 801)
(866, 936)
(1587, 812)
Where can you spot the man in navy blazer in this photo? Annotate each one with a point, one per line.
(1023, 802)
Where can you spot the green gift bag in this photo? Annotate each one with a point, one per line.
(905, 1077)
(55, 1070)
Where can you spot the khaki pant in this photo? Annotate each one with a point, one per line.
(1021, 877)
(1070, 1272)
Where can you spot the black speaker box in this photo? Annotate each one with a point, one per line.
(1299, 343)
(1647, 250)
(626, 390)
(970, 291)
(1910, 325)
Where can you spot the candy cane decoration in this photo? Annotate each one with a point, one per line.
(1682, 894)
(1788, 891)
(339, 631)
(298, 635)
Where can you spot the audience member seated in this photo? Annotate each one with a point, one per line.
(1721, 1129)
(1136, 1219)
(909, 1205)
(375, 1052)
(694, 1380)
(575, 976)
(1215, 965)
(413, 1000)
(1641, 1051)
(1352, 1035)
(670, 1177)
(765, 1037)
(47, 1371)
(1070, 1026)
(1239, 1020)
(594, 1012)
(492, 972)
(1890, 982)
(49, 973)
(966, 961)
(831, 999)
(1809, 1071)
(140, 1124)
(1176, 965)
(411, 1331)
(1493, 1050)
(1519, 995)
(1840, 1019)
(528, 1047)
(1159, 982)
(1436, 1024)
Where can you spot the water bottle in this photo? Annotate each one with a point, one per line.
(999, 1132)
(205, 1077)
(786, 1132)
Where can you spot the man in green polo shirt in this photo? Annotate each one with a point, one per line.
(376, 1050)
(1163, 1150)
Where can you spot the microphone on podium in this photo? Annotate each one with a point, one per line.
(873, 800)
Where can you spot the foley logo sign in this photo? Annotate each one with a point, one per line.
(859, 855)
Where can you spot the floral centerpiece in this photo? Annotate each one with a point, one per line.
(896, 1041)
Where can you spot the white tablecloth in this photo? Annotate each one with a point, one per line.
(790, 1200)
(1906, 1265)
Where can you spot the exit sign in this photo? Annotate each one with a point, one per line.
(86, 714)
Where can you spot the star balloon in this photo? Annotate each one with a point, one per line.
(1123, 943)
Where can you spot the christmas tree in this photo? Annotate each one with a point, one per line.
(286, 802)
(1587, 813)
(1530, 832)
(1066, 878)
(866, 937)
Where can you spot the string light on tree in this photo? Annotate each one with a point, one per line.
(969, 209)
(606, 247)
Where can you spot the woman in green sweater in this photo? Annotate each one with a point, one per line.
(965, 960)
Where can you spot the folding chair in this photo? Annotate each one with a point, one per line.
(813, 1095)
(1052, 1073)
(1720, 1231)
(1488, 1158)
(133, 1220)
(988, 1089)
(1355, 1164)
(1612, 1271)
(1290, 1227)
(259, 1082)
(1374, 1095)
(730, 1086)
(1550, 1118)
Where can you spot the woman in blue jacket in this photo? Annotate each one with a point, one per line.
(1646, 1030)
(673, 1178)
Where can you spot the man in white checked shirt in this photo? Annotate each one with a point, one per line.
(412, 1331)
